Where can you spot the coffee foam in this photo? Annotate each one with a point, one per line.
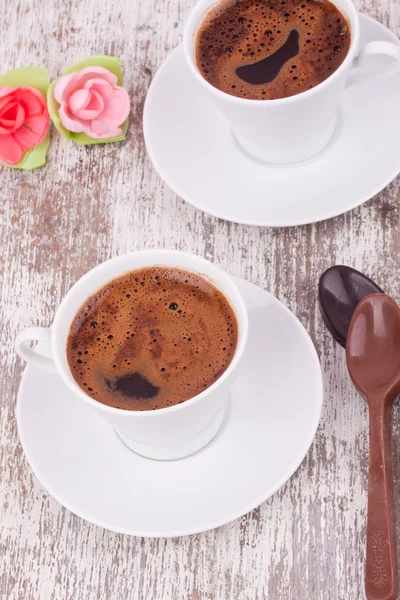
(164, 332)
(241, 32)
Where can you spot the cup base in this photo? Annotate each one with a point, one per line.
(288, 157)
(173, 453)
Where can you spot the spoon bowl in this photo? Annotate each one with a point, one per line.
(340, 290)
(373, 348)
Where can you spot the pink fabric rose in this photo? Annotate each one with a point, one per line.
(91, 102)
(24, 122)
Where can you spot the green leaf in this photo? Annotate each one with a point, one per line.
(38, 78)
(111, 63)
(53, 108)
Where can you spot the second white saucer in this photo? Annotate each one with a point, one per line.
(193, 150)
(274, 410)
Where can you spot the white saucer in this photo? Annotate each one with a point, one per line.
(193, 150)
(274, 412)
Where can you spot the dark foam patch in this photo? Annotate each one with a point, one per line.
(239, 33)
(152, 338)
(266, 70)
(133, 385)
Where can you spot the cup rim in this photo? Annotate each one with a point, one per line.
(196, 16)
(237, 304)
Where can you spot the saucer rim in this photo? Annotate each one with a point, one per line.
(319, 398)
(265, 223)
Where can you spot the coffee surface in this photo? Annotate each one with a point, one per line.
(151, 339)
(269, 49)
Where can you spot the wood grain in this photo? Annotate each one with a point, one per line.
(88, 204)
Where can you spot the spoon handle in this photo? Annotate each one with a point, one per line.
(381, 572)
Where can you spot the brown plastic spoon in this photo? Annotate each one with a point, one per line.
(373, 360)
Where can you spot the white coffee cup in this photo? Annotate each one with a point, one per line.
(293, 129)
(167, 433)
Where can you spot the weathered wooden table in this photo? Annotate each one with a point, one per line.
(308, 541)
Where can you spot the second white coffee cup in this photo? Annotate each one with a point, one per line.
(293, 129)
(167, 433)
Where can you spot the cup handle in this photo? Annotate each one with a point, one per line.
(361, 72)
(34, 334)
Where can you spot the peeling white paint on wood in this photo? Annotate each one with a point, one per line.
(88, 204)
